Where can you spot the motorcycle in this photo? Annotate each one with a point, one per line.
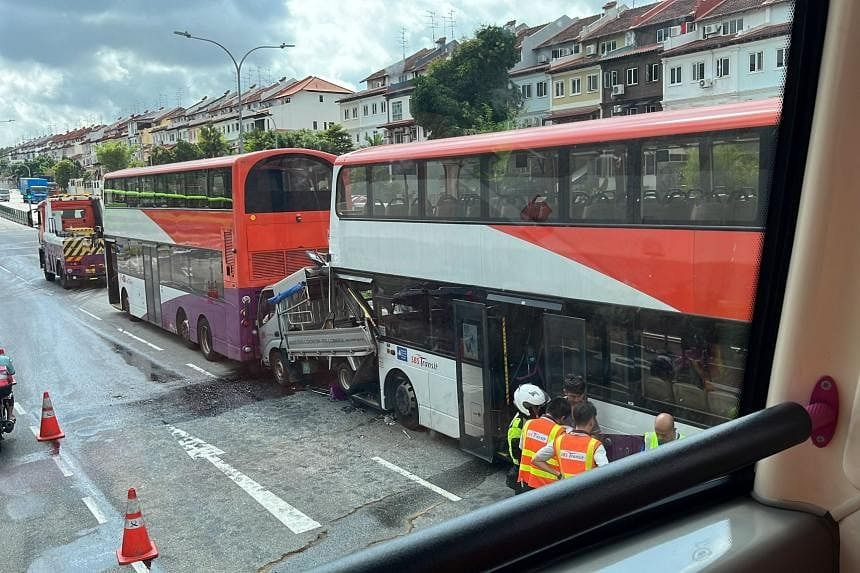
(6, 382)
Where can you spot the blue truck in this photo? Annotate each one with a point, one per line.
(33, 189)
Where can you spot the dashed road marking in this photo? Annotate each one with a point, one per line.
(88, 313)
(139, 567)
(35, 431)
(64, 467)
(19, 409)
(4, 269)
(139, 339)
(94, 509)
(197, 368)
(416, 479)
(292, 518)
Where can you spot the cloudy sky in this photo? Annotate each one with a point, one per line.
(68, 64)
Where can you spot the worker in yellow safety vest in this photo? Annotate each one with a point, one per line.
(576, 450)
(529, 400)
(536, 434)
(664, 432)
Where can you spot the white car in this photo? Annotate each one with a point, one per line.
(4, 195)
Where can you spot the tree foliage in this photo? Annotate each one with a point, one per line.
(66, 170)
(258, 140)
(373, 140)
(470, 92)
(211, 142)
(114, 155)
(334, 139)
(161, 155)
(186, 151)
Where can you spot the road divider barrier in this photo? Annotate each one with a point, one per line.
(49, 429)
(136, 544)
(16, 215)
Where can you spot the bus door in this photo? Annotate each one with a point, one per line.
(564, 340)
(473, 379)
(152, 280)
(110, 267)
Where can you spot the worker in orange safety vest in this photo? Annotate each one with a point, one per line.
(576, 450)
(537, 433)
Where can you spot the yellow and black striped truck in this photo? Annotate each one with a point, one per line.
(71, 246)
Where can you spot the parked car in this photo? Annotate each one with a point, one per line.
(4, 195)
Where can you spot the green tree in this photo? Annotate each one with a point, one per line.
(374, 140)
(66, 170)
(257, 140)
(186, 151)
(161, 155)
(336, 139)
(114, 155)
(212, 142)
(470, 92)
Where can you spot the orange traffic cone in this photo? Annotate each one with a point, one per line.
(136, 544)
(49, 429)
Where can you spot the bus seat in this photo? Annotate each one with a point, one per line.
(378, 209)
(745, 209)
(578, 202)
(690, 396)
(397, 209)
(659, 389)
(711, 210)
(601, 209)
(509, 211)
(470, 206)
(723, 404)
(447, 207)
(677, 207)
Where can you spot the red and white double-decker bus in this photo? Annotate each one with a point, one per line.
(189, 245)
(622, 250)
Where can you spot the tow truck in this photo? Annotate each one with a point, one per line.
(71, 246)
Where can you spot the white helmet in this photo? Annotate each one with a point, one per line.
(529, 396)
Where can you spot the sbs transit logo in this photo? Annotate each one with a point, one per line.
(419, 360)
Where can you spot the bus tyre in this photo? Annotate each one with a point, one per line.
(183, 329)
(204, 339)
(406, 405)
(344, 375)
(49, 276)
(65, 281)
(279, 368)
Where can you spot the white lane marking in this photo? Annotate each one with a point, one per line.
(19, 409)
(35, 431)
(88, 313)
(416, 479)
(195, 367)
(2, 268)
(295, 520)
(94, 509)
(20, 278)
(64, 467)
(139, 339)
(139, 567)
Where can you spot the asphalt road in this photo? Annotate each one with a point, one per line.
(233, 474)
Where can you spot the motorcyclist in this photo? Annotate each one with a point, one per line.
(529, 400)
(8, 400)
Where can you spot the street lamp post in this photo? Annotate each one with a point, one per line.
(238, 67)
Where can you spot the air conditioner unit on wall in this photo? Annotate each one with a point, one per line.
(618, 89)
(617, 109)
(590, 49)
(704, 83)
(712, 29)
(674, 31)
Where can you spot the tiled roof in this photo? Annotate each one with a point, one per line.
(363, 94)
(571, 32)
(623, 22)
(731, 6)
(572, 112)
(525, 33)
(583, 62)
(310, 84)
(529, 70)
(408, 64)
(623, 53)
(741, 37)
(666, 11)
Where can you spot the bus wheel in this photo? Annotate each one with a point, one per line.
(406, 405)
(49, 276)
(279, 368)
(204, 339)
(183, 329)
(344, 376)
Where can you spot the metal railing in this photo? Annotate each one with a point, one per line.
(17, 216)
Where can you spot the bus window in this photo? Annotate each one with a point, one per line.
(220, 189)
(598, 183)
(286, 184)
(395, 190)
(524, 185)
(352, 192)
(454, 188)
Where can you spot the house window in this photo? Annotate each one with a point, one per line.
(526, 90)
(722, 67)
(697, 69)
(357, 139)
(576, 48)
(321, 99)
(541, 89)
(373, 109)
(631, 111)
(756, 62)
(366, 110)
(575, 86)
(780, 57)
(675, 75)
(559, 89)
(662, 34)
(607, 80)
(354, 112)
(315, 125)
(614, 75)
(653, 72)
(606, 47)
(651, 108)
(632, 76)
(397, 111)
(592, 82)
(732, 26)
(346, 114)
(382, 107)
